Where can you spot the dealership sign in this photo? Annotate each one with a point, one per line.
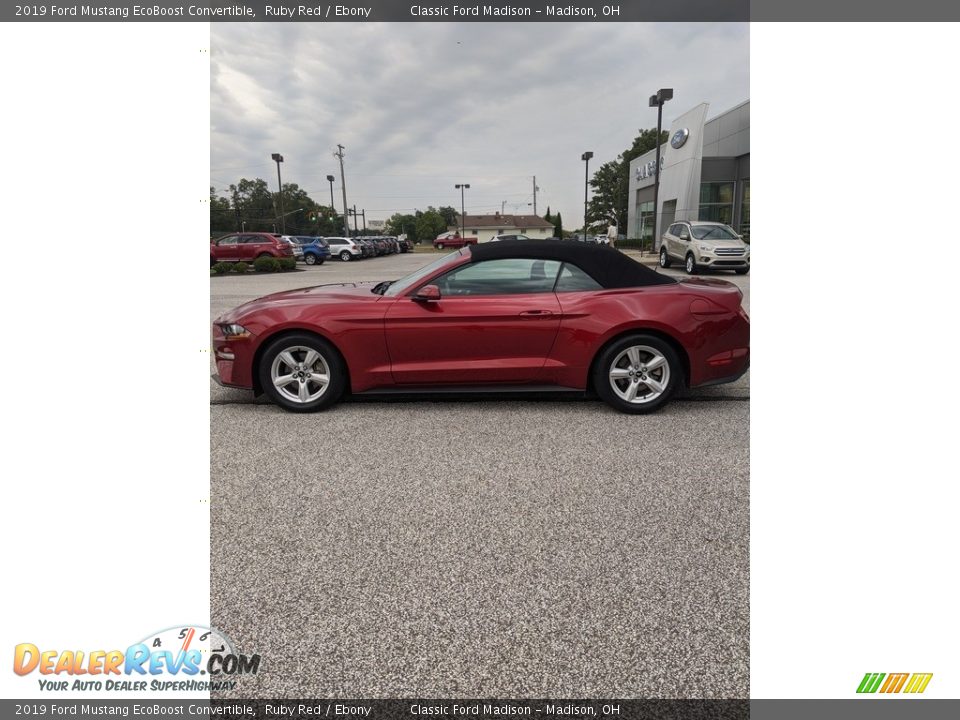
(679, 138)
(647, 169)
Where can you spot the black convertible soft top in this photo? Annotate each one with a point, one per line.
(609, 267)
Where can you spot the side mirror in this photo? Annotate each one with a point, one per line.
(427, 293)
(684, 236)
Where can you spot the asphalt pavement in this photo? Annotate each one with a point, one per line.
(484, 548)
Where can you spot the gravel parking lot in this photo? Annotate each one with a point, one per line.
(485, 548)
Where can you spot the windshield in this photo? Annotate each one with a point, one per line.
(413, 278)
(713, 232)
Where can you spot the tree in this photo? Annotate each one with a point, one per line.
(611, 181)
(254, 204)
(558, 226)
(451, 216)
(403, 224)
(547, 215)
(222, 217)
(430, 224)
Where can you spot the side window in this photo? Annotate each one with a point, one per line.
(249, 239)
(573, 279)
(229, 240)
(674, 230)
(683, 229)
(509, 276)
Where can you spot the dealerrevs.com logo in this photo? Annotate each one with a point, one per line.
(894, 683)
(183, 658)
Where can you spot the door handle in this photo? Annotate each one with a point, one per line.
(536, 313)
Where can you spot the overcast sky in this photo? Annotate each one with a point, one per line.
(423, 106)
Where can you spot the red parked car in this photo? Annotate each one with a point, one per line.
(453, 240)
(513, 315)
(248, 246)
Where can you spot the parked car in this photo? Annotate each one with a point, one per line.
(509, 315)
(500, 238)
(701, 245)
(295, 242)
(247, 247)
(344, 248)
(315, 250)
(446, 240)
(405, 244)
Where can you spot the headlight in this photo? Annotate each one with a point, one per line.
(704, 248)
(233, 332)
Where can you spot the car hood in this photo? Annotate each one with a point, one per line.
(332, 294)
(724, 244)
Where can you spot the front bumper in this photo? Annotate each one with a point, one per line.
(724, 262)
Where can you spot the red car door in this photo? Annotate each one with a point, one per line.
(495, 322)
(226, 249)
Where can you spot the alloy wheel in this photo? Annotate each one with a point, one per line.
(300, 374)
(639, 374)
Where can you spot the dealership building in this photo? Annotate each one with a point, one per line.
(704, 173)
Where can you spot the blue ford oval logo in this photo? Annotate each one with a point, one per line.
(679, 138)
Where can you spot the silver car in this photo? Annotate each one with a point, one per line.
(344, 248)
(702, 245)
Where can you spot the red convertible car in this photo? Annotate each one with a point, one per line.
(515, 315)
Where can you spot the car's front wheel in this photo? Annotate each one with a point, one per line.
(691, 264)
(664, 258)
(302, 373)
(439, 246)
(637, 374)
(345, 256)
(310, 259)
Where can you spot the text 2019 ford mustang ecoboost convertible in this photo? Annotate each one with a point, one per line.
(516, 315)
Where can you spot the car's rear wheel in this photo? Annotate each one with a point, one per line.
(637, 374)
(302, 373)
(345, 256)
(264, 255)
(691, 264)
(664, 258)
(742, 271)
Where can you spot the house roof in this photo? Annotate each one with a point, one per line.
(505, 221)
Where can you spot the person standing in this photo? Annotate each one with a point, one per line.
(612, 235)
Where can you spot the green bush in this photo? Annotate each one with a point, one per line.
(222, 267)
(288, 263)
(241, 267)
(266, 264)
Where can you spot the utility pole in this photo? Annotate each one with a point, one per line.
(535, 188)
(343, 185)
(363, 214)
(354, 213)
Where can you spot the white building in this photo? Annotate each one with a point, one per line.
(704, 174)
(485, 227)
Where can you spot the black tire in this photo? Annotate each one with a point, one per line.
(439, 246)
(337, 372)
(264, 255)
(345, 256)
(320, 261)
(665, 260)
(310, 259)
(611, 354)
(742, 271)
(691, 265)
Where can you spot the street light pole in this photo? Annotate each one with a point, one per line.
(330, 179)
(663, 94)
(586, 188)
(279, 159)
(463, 210)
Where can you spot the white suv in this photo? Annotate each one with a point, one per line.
(344, 248)
(701, 245)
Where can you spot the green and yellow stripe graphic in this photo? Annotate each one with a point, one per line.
(894, 682)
